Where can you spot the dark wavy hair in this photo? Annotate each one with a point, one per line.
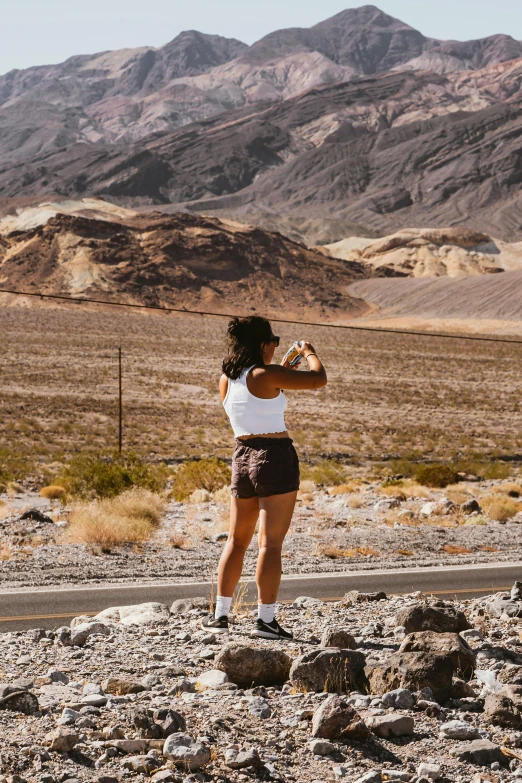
(245, 336)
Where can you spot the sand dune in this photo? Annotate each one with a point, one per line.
(485, 297)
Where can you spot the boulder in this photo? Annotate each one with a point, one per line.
(481, 752)
(77, 636)
(185, 752)
(247, 666)
(211, 679)
(184, 605)
(391, 725)
(499, 710)
(446, 644)
(242, 759)
(429, 771)
(140, 614)
(459, 730)
(122, 686)
(401, 699)
(330, 670)
(158, 724)
(321, 747)
(354, 597)
(62, 739)
(415, 671)
(429, 618)
(259, 707)
(337, 719)
(462, 689)
(502, 603)
(141, 764)
(471, 507)
(20, 701)
(337, 637)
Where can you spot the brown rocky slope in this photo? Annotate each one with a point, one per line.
(181, 260)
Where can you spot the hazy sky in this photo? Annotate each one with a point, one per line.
(36, 32)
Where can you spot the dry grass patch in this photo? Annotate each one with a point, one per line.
(222, 495)
(128, 518)
(356, 501)
(500, 507)
(511, 488)
(6, 553)
(53, 492)
(404, 489)
(179, 541)
(347, 488)
(454, 549)
(333, 552)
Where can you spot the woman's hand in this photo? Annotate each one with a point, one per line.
(305, 348)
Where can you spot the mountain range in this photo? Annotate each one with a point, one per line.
(360, 121)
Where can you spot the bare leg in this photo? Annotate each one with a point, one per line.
(274, 522)
(243, 520)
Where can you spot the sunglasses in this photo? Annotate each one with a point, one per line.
(275, 339)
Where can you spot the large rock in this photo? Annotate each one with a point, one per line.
(122, 686)
(459, 730)
(499, 710)
(415, 671)
(391, 725)
(336, 719)
(338, 637)
(481, 752)
(429, 618)
(140, 614)
(212, 678)
(502, 603)
(186, 752)
(248, 666)
(77, 635)
(20, 701)
(330, 670)
(448, 644)
(62, 739)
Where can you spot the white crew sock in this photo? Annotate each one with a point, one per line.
(266, 612)
(222, 607)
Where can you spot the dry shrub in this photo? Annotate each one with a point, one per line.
(14, 488)
(128, 518)
(178, 541)
(208, 474)
(475, 520)
(403, 488)
(500, 507)
(105, 475)
(456, 495)
(199, 496)
(346, 489)
(487, 548)
(327, 473)
(222, 495)
(356, 501)
(6, 553)
(332, 551)
(436, 476)
(454, 549)
(53, 492)
(405, 552)
(511, 488)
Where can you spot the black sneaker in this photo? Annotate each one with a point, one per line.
(270, 631)
(217, 626)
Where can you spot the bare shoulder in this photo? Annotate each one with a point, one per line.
(223, 386)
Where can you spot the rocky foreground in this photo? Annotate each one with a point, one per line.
(370, 689)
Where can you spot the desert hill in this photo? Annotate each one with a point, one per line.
(182, 260)
(454, 252)
(131, 93)
(385, 152)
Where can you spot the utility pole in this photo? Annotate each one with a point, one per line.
(120, 412)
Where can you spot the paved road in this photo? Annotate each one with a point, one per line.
(50, 608)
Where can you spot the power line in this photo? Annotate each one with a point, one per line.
(184, 310)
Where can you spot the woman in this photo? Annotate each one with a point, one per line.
(265, 466)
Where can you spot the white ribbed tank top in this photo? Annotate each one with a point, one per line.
(251, 415)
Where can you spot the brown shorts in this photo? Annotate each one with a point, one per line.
(264, 466)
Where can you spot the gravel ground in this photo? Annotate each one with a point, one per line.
(328, 534)
(80, 726)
